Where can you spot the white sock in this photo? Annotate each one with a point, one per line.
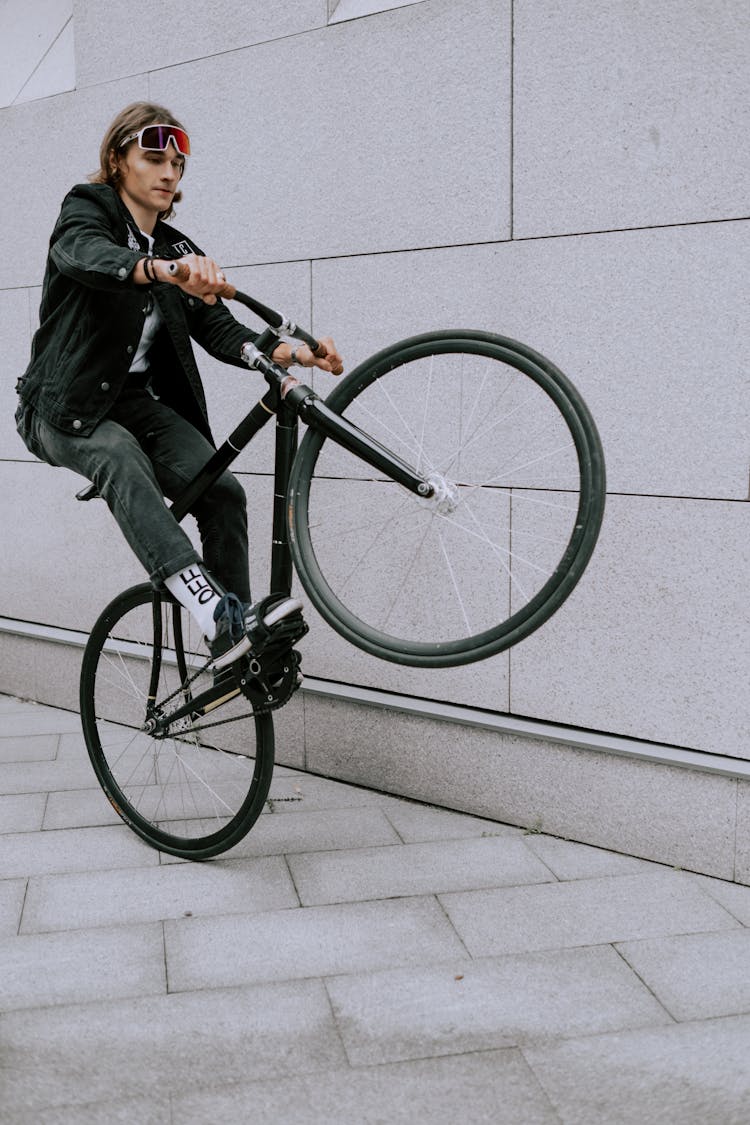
(193, 588)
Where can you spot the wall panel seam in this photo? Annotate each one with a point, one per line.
(426, 249)
(214, 55)
(365, 254)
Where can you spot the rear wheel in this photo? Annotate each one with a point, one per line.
(517, 471)
(190, 784)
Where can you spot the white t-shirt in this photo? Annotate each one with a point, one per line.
(151, 326)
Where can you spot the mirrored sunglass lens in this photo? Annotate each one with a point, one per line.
(182, 141)
(157, 137)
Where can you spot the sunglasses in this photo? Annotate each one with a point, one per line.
(155, 138)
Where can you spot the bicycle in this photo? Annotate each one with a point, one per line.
(442, 504)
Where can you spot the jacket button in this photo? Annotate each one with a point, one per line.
(105, 386)
(122, 272)
(191, 301)
(77, 424)
(129, 349)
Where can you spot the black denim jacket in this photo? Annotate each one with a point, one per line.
(92, 313)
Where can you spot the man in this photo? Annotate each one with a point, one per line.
(113, 391)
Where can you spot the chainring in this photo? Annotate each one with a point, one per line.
(269, 681)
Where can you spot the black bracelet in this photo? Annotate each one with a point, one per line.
(148, 269)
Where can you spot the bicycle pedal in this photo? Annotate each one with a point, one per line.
(281, 612)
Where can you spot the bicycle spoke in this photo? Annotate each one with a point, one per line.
(400, 588)
(482, 435)
(454, 583)
(364, 553)
(412, 446)
(534, 461)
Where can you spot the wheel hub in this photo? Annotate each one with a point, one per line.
(445, 494)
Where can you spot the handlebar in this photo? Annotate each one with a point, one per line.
(180, 271)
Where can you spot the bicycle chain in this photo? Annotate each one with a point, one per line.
(292, 681)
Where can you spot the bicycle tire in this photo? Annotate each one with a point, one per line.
(440, 389)
(196, 791)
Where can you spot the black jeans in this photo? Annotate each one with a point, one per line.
(140, 453)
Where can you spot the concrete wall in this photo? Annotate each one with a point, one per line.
(568, 172)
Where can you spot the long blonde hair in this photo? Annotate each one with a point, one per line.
(131, 120)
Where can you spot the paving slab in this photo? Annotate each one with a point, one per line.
(734, 897)
(30, 748)
(569, 860)
(73, 849)
(72, 747)
(44, 777)
(465, 1006)
(34, 719)
(122, 897)
(311, 942)
(322, 829)
(695, 976)
(694, 1074)
(583, 912)
(146, 1111)
(417, 824)
(12, 893)
(492, 1088)
(102, 964)
(23, 812)
(79, 808)
(319, 830)
(415, 869)
(86, 1053)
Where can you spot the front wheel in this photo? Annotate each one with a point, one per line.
(518, 479)
(190, 784)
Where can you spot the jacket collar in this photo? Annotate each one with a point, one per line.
(168, 242)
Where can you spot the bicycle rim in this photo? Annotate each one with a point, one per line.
(518, 471)
(196, 787)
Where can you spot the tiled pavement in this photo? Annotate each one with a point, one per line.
(358, 958)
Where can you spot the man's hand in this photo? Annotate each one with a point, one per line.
(205, 281)
(332, 362)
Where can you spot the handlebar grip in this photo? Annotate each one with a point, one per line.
(180, 271)
(320, 352)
